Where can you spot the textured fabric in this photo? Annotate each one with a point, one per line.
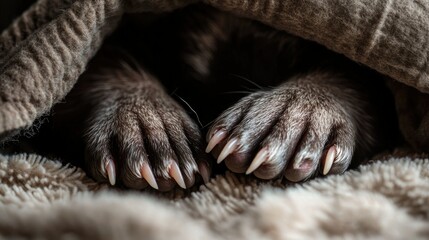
(43, 53)
(39, 68)
(384, 200)
(387, 35)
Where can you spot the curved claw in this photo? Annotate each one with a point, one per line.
(228, 149)
(215, 140)
(111, 172)
(175, 173)
(329, 160)
(260, 158)
(147, 174)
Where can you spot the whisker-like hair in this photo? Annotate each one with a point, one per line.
(189, 106)
(209, 123)
(174, 92)
(237, 92)
(247, 80)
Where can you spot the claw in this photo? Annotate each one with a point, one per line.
(111, 172)
(176, 174)
(329, 160)
(258, 160)
(215, 140)
(228, 149)
(147, 174)
(204, 172)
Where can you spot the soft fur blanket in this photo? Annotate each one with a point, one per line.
(43, 53)
(43, 199)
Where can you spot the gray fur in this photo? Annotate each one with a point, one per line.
(297, 115)
(132, 121)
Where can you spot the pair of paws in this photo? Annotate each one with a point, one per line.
(147, 139)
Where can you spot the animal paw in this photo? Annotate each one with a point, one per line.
(143, 139)
(296, 130)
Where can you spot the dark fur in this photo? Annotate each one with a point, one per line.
(303, 99)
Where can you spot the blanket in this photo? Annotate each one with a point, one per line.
(43, 199)
(46, 49)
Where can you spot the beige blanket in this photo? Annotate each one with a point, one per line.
(384, 200)
(44, 51)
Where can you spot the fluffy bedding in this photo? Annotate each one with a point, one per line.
(43, 199)
(45, 50)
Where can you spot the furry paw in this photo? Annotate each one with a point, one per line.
(296, 130)
(142, 139)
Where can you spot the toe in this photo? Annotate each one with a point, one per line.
(281, 144)
(239, 141)
(99, 160)
(308, 153)
(135, 169)
(238, 162)
(263, 166)
(165, 185)
(300, 172)
(259, 159)
(340, 152)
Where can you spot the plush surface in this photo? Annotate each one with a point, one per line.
(383, 200)
(43, 53)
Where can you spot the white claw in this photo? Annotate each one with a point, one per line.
(147, 174)
(175, 173)
(111, 172)
(228, 149)
(215, 140)
(329, 160)
(260, 158)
